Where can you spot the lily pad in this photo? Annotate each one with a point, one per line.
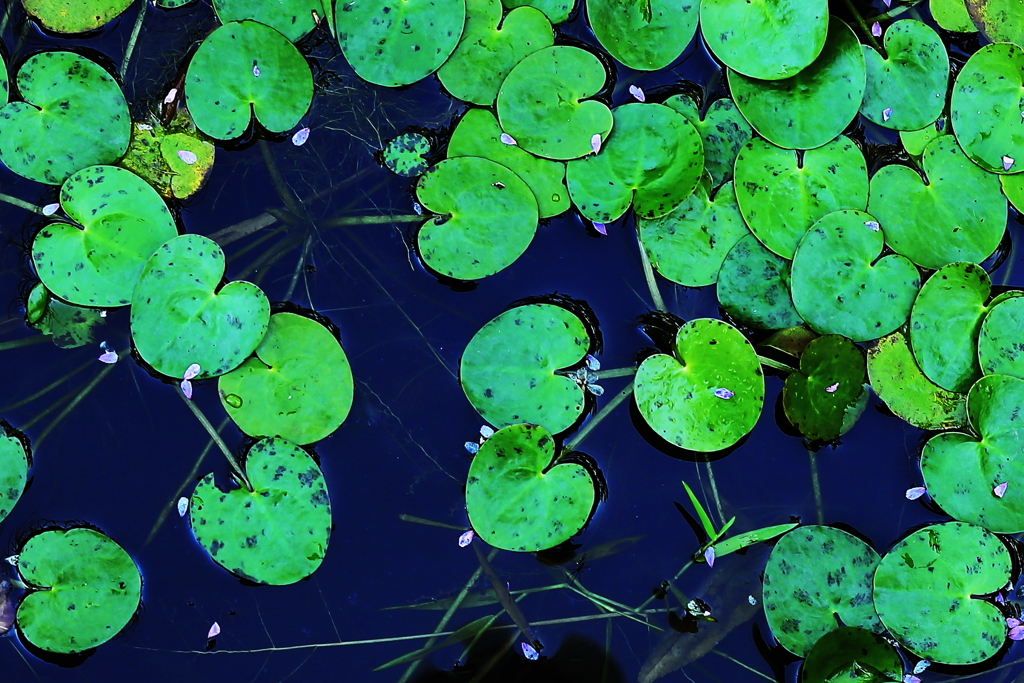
(926, 588)
(74, 16)
(277, 533)
(738, 32)
(906, 90)
(828, 393)
(986, 106)
(842, 285)
(1013, 188)
(509, 368)
(486, 53)
(646, 35)
(293, 18)
(161, 156)
(298, 385)
(69, 326)
(961, 470)
(181, 315)
(915, 141)
(1000, 347)
(846, 653)
(1000, 21)
(123, 221)
(809, 109)
(708, 395)
(14, 463)
(952, 15)
(245, 69)
(392, 42)
(73, 115)
(960, 215)
(814, 575)
(556, 11)
(541, 103)
(782, 193)
(753, 287)
(652, 160)
(404, 155)
(723, 130)
(86, 589)
(520, 497)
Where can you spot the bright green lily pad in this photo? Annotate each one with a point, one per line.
(960, 215)
(478, 135)
(74, 16)
(915, 141)
(245, 69)
(842, 285)
(541, 103)
(520, 498)
(952, 15)
(986, 106)
(486, 53)
(277, 533)
(73, 115)
(298, 385)
(556, 11)
(1013, 188)
(723, 130)
(814, 574)
(708, 395)
(292, 18)
(181, 315)
(392, 43)
(123, 222)
(961, 470)
(69, 326)
(911, 396)
(14, 464)
(508, 369)
(1000, 21)
(161, 155)
(828, 393)
(809, 109)
(1000, 349)
(907, 89)
(782, 193)
(925, 590)
(846, 653)
(738, 31)
(647, 35)
(753, 287)
(652, 160)
(404, 155)
(87, 589)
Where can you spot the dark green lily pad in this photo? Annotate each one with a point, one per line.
(470, 195)
(753, 287)
(986, 106)
(840, 285)
(541, 103)
(846, 653)
(292, 18)
(708, 395)
(123, 221)
(74, 16)
(907, 89)
(652, 160)
(782, 193)
(960, 215)
(156, 155)
(646, 35)
(1000, 347)
(723, 130)
(738, 32)
(556, 11)
(915, 141)
(827, 394)
(925, 590)
(69, 326)
(814, 574)
(520, 498)
(73, 115)
(14, 463)
(181, 315)
(86, 590)
(404, 155)
(277, 533)
(486, 53)
(1000, 21)
(245, 69)
(509, 367)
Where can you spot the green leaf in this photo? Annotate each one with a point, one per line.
(749, 538)
(14, 464)
(952, 15)
(556, 11)
(293, 18)
(828, 390)
(915, 141)
(723, 130)
(1013, 188)
(753, 287)
(987, 100)
(647, 35)
(999, 341)
(153, 154)
(843, 654)
(404, 154)
(1000, 21)
(78, 16)
(705, 520)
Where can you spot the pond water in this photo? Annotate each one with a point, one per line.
(130, 448)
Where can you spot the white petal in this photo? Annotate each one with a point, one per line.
(182, 506)
(108, 357)
(529, 652)
(50, 209)
(1000, 490)
(1008, 163)
(213, 632)
(636, 92)
(466, 538)
(916, 492)
(186, 388)
(191, 371)
(300, 137)
(187, 156)
(886, 113)
(508, 139)
(172, 95)
(595, 142)
(876, 29)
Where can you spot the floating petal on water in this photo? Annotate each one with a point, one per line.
(172, 95)
(182, 506)
(593, 363)
(636, 92)
(300, 137)
(921, 666)
(601, 228)
(108, 357)
(186, 388)
(709, 556)
(751, 599)
(213, 632)
(916, 492)
(50, 209)
(472, 447)
(529, 652)
(466, 538)
(876, 29)
(486, 431)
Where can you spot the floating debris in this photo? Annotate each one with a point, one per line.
(751, 599)
(300, 137)
(472, 447)
(637, 93)
(182, 506)
(529, 652)
(876, 29)
(921, 666)
(466, 538)
(916, 492)
(50, 209)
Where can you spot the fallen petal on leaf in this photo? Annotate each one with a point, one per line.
(1000, 489)
(873, 225)
(724, 393)
(876, 29)
(921, 666)
(191, 371)
(832, 387)
(187, 156)
(1008, 163)
(508, 139)
(886, 113)
(595, 142)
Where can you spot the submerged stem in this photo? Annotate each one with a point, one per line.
(24, 341)
(596, 420)
(819, 507)
(615, 372)
(864, 27)
(372, 220)
(134, 37)
(20, 203)
(652, 284)
(232, 460)
(512, 607)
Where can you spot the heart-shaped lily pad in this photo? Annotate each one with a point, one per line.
(815, 574)
(647, 35)
(470, 195)
(123, 222)
(76, 16)
(1000, 350)
(277, 533)
(14, 463)
(961, 471)
(907, 89)
(293, 18)
(986, 106)
(753, 287)
(738, 31)
(181, 316)
(245, 69)
(486, 53)
(781, 193)
(398, 42)
(846, 653)
(556, 11)
(841, 285)
(540, 103)
(926, 588)
(723, 130)
(827, 394)
(298, 385)
(652, 160)
(1000, 21)
(86, 590)
(73, 115)
(809, 109)
(509, 367)
(709, 394)
(520, 498)
(160, 155)
(960, 215)
(405, 154)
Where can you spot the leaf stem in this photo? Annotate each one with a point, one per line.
(596, 420)
(819, 506)
(373, 220)
(24, 341)
(511, 606)
(232, 460)
(616, 372)
(652, 284)
(134, 37)
(764, 360)
(864, 27)
(20, 203)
